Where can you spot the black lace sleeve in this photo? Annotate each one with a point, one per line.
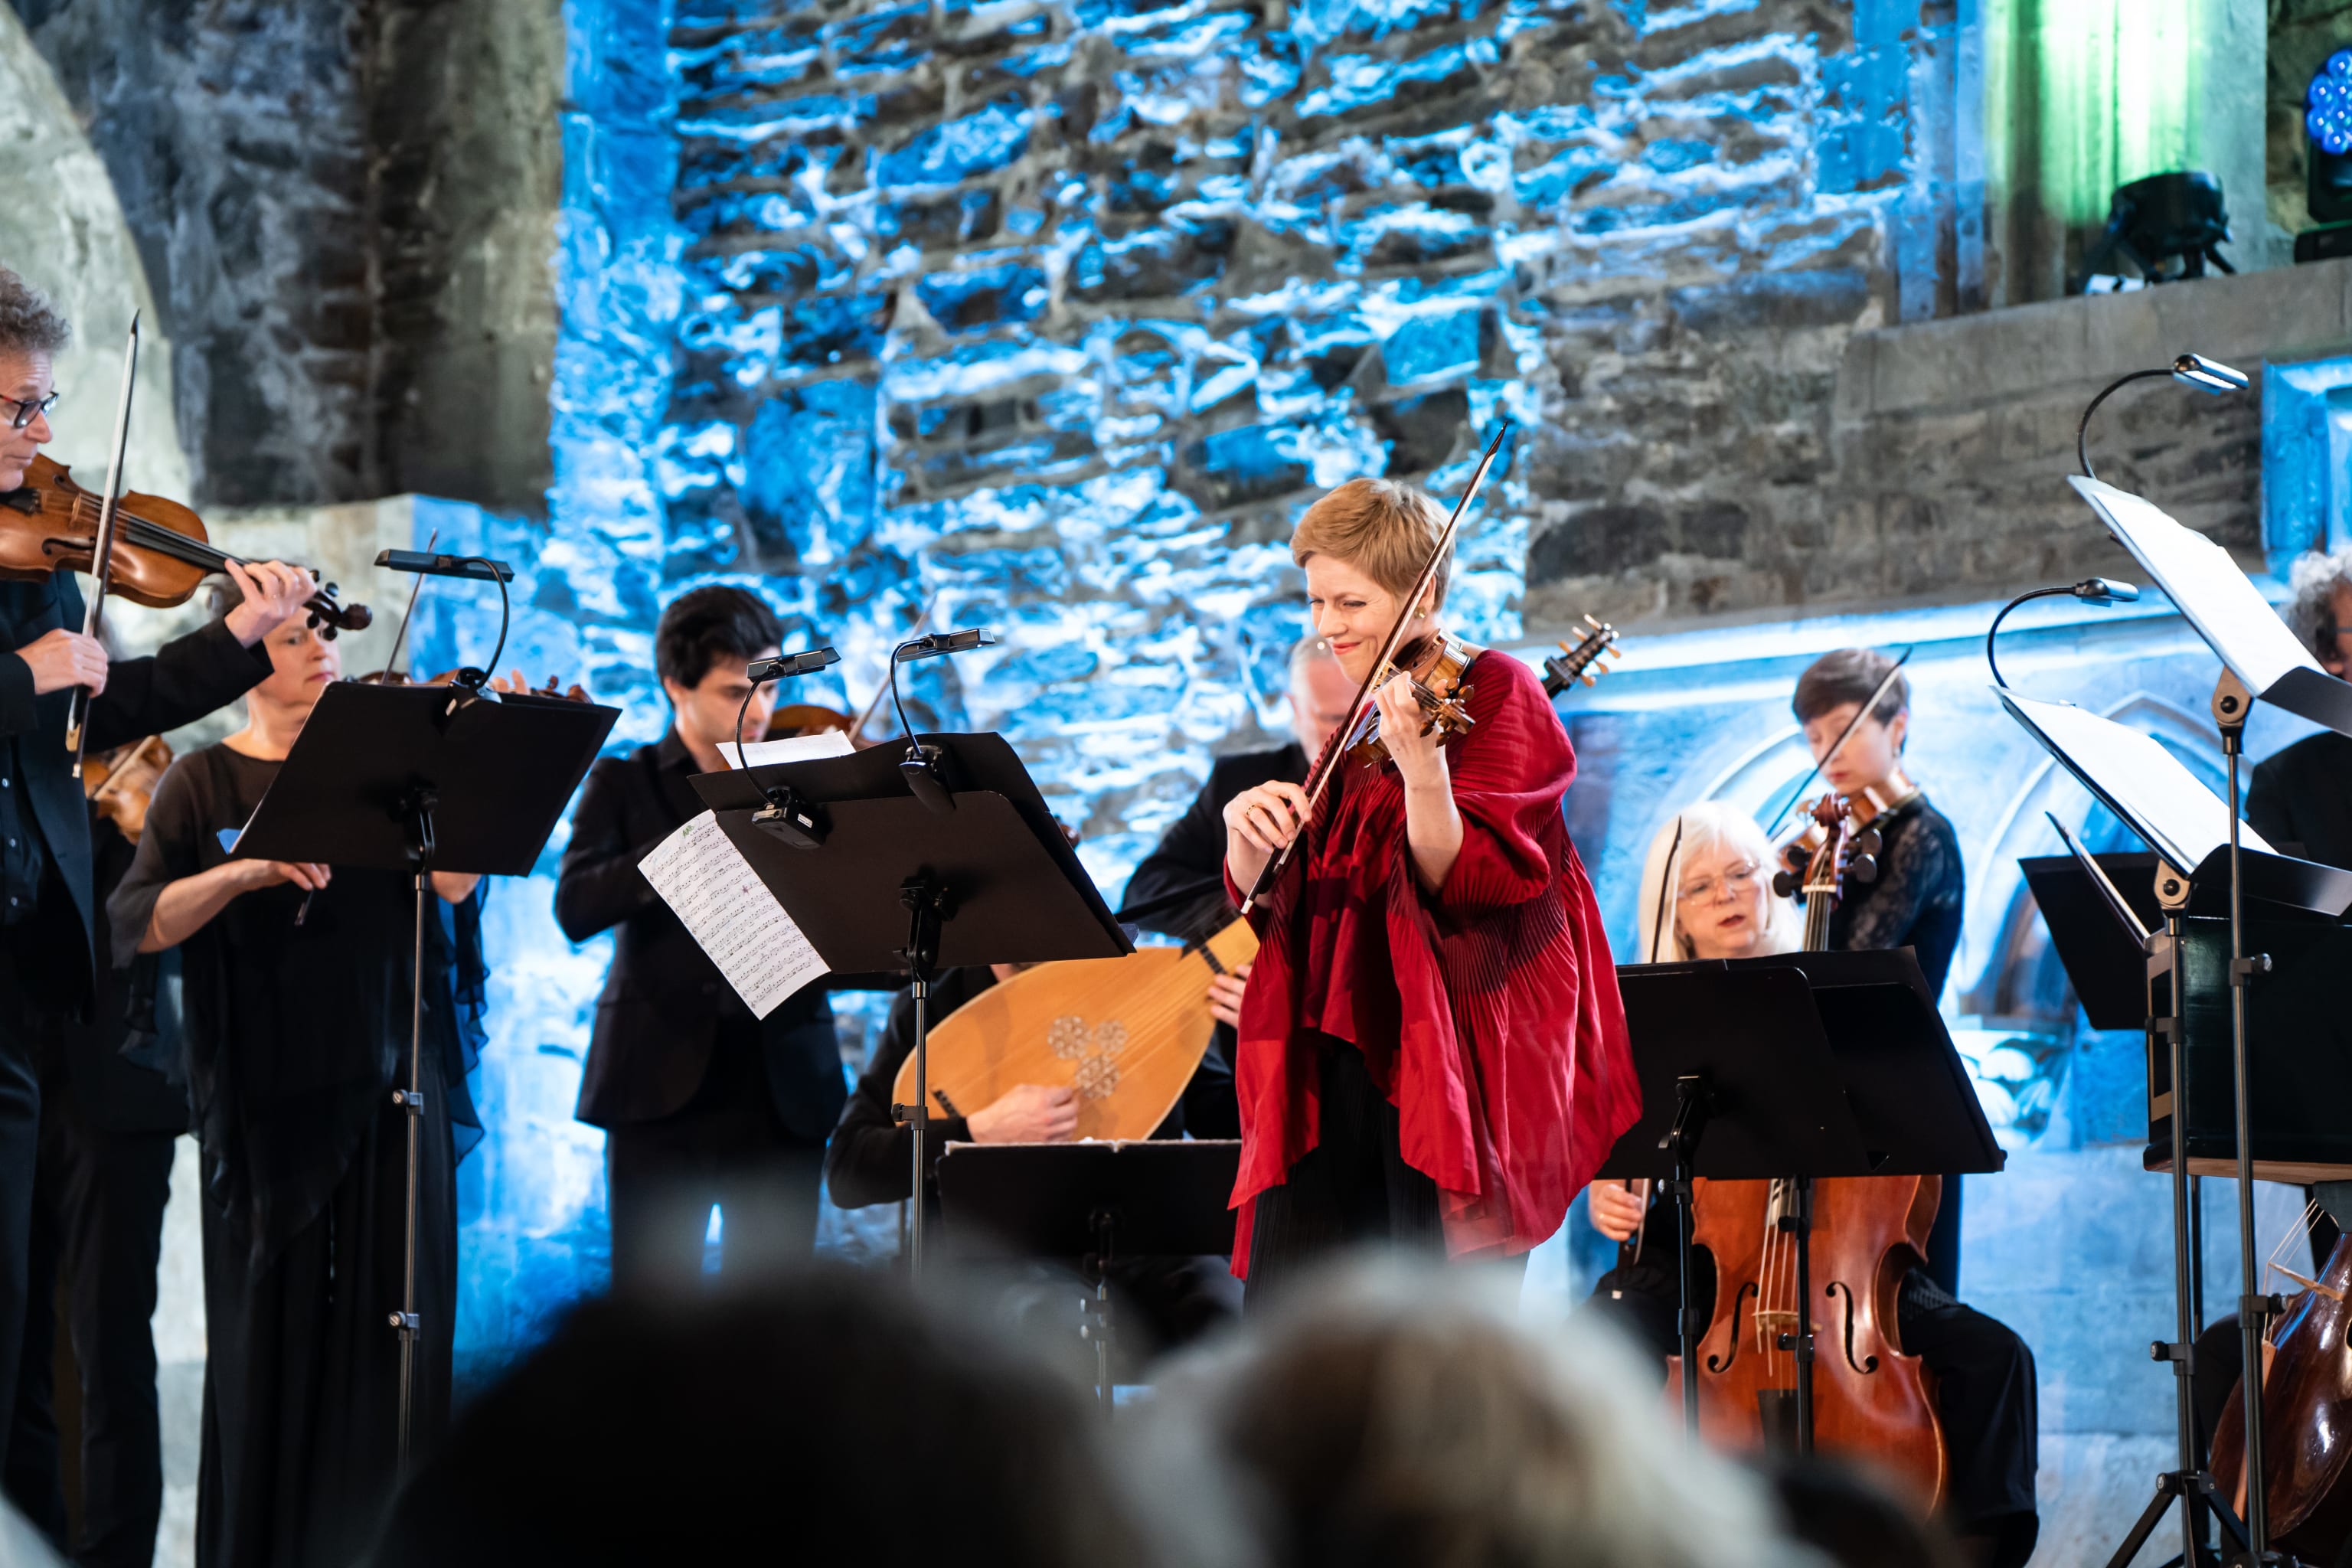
(1916, 900)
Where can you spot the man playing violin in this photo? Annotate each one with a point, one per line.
(1431, 1053)
(47, 905)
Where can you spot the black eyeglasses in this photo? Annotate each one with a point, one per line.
(29, 412)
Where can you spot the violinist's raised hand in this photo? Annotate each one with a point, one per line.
(273, 594)
(63, 659)
(1420, 758)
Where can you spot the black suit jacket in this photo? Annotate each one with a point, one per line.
(1192, 853)
(186, 679)
(2301, 799)
(664, 1003)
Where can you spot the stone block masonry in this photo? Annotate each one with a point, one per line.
(1179, 267)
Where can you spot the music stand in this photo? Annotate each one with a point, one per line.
(420, 779)
(2205, 855)
(2260, 659)
(876, 877)
(1794, 1066)
(1096, 1201)
(1737, 1084)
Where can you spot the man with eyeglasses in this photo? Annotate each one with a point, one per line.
(48, 897)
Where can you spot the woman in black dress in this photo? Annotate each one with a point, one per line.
(296, 1017)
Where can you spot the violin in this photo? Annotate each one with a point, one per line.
(119, 784)
(1437, 667)
(2306, 1437)
(161, 552)
(794, 719)
(1869, 1397)
(575, 692)
(1864, 811)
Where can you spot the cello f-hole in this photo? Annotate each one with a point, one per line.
(1835, 1288)
(1723, 1363)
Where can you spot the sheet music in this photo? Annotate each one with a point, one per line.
(2197, 576)
(2155, 793)
(798, 749)
(731, 915)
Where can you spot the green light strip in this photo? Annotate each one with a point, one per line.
(2081, 96)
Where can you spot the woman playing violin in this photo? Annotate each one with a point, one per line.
(1431, 1048)
(296, 995)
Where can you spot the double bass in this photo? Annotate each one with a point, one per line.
(1869, 1398)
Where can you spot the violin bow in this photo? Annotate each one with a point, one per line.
(1837, 745)
(1326, 761)
(415, 586)
(102, 554)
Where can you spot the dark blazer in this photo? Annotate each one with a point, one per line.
(1192, 853)
(186, 679)
(115, 1093)
(665, 1002)
(2301, 799)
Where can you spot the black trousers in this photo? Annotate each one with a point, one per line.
(36, 961)
(1985, 1388)
(98, 1223)
(1353, 1188)
(725, 1146)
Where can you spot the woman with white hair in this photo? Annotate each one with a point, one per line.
(1706, 894)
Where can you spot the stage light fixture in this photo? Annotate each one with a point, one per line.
(2160, 220)
(2328, 160)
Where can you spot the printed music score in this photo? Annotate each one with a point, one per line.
(730, 914)
(798, 749)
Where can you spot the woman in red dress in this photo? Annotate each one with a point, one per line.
(1431, 1048)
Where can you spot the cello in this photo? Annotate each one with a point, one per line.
(2306, 1417)
(1869, 1398)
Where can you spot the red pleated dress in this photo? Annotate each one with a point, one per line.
(1487, 1013)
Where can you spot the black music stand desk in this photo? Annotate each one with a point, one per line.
(878, 879)
(424, 779)
(1795, 1065)
(1095, 1200)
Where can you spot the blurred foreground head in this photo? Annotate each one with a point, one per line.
(826, 1418)
(1388, 1417)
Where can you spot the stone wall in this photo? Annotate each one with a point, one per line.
(346, 213)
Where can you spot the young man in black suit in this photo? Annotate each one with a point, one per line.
(702, 1103)
(47, 901)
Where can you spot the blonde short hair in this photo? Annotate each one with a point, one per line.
(1382, 529)
(1702, 826)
